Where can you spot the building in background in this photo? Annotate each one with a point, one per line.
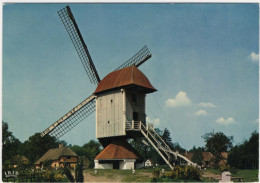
(58, 157)
(119, 155)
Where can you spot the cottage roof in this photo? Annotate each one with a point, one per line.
(118, 150)
(19, 158)
(207, 156)
(224, 155)
(125, 77)
(55, 154)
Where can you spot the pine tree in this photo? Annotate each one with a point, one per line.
(166, 136)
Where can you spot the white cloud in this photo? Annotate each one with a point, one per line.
(180, 99)
(254, 57)
(154, 121)
(257, 120)
(206, 104)
(201, 113)
(225, 121)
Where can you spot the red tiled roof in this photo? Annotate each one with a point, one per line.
(207, 156)
(224, 155)
(124, 77)
(118, 150)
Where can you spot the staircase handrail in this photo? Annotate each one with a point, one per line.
(166, 148)
(166, 145)
(158, 143)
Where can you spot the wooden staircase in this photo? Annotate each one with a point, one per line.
(158, 143)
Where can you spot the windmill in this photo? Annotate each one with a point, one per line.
(119, 102)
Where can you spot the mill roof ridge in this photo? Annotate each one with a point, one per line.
(125, 77)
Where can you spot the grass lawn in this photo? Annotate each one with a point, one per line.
(214, 171)
(141, 175)
(145, 175)
(249, 175)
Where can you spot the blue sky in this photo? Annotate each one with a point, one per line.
(205, 65)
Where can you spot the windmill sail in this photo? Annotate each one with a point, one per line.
(72, 118)
(138, 59)
(79, 44)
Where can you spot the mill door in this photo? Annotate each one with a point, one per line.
(135, 116)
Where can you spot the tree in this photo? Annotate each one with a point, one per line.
(36, 146)
(177, 147)
(140, 147)
(166, 136)
(10, 144)
(90, 150)
(80, 151)
(93, 148)
(245, 155)
(197, 156)
(217, 143)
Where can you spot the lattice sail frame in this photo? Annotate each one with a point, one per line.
(138, 59)
(72, 118)
(79, 44)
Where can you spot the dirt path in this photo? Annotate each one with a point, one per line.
(211, 175)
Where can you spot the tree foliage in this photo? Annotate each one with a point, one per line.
(36, 146)
(177, 147)
(197, 156)
(246, 154)
(90, 150)
(10, 145)
(217, 143)
(166, 136)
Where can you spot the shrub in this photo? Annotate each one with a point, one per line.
(156, 172)
(48, 176)
(224, 167)
(170, 174)
(188, 172)
(192, 173)
(179, 172)
(59, 177)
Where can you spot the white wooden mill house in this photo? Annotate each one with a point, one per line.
(120, 104)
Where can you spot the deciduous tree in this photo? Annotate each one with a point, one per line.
(36, 146)
(216, 143)
(10, 144)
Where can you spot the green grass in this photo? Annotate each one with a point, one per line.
(142, 176)
(136, 178)
(108, 172)
(215, 171)
(249, 175)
